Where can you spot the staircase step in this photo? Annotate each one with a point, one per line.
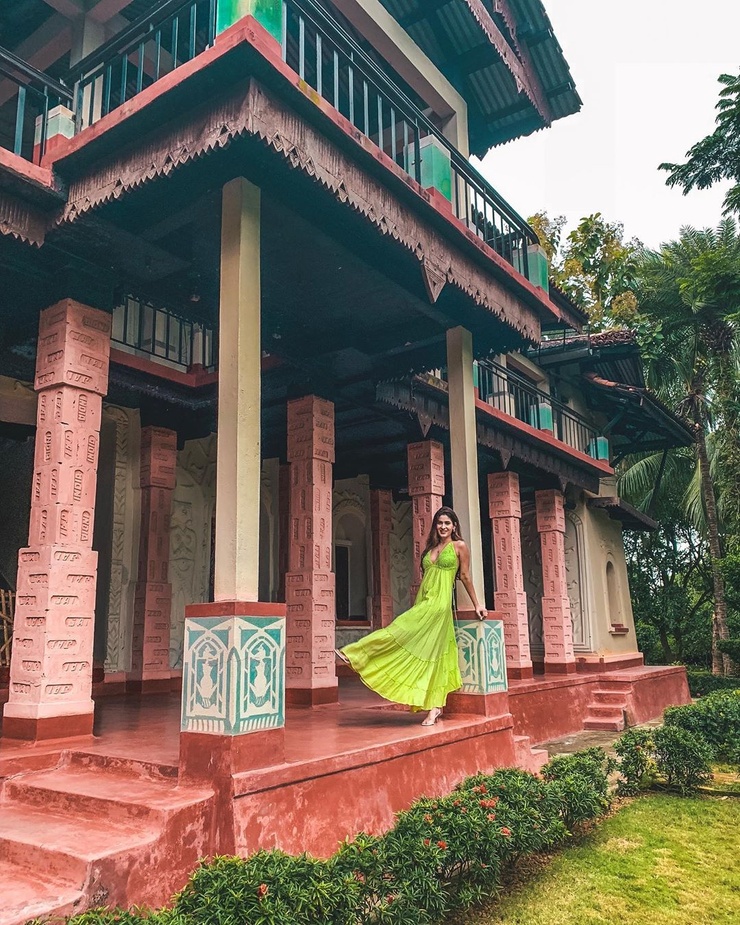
(29, 894)
(616, 697)
(607, 725)
(79, 790)
(605, 710)
(133, 766)
(64, 846)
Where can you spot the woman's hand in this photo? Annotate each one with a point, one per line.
(481, 613)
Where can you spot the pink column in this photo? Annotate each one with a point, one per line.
(309, 584)
(557, 628)
(426, 467)
(51, 668)
(505, 510)
(381, 524)
(150, 653)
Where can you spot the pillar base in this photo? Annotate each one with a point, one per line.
(520, 673)
(560, 668)
(311, 696)
(43, 728)
(215, 757)
(149, 685)
(478, 704)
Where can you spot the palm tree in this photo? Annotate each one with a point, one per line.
(691, 287)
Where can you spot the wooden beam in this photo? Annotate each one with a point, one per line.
(68, 8)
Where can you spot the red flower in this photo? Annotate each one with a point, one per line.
(427, 842)
(489, 804)
(505, 831)
(359, 876)
(442, 845)
(491, 817)
(428, 817)
(481, 788)
(262, 891)
(389, 898)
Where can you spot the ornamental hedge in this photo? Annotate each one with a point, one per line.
(442, 854)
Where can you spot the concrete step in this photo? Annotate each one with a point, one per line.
(64, 847)
(599, 722)
(618, 698)
(606, 710)
(87, 791)
(29, 894)
(528, 758)
(134, 767)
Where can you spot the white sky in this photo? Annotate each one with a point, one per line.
(646, 71)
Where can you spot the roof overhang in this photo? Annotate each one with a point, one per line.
(501, 56)
(626, 514)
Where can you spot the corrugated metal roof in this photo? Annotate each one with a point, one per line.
(499, 108)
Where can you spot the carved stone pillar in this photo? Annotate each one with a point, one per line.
(309, 584)
(150, 652)
(426, 467)
(51, 668)
(381, 527)
(556, 620)
(505, 511)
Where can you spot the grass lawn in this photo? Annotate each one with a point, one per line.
(661, 860)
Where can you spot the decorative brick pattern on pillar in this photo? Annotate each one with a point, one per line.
(557, 625)
(381, 526)
(150, 653)
(505, 511)
(309, 584)
(51, 668)
(426, 468)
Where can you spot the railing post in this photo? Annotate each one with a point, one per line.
(50, 131)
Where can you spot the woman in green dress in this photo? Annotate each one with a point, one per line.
(414, 660)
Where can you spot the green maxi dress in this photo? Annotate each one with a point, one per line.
(413, 660)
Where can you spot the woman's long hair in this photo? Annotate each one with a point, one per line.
(433, 537)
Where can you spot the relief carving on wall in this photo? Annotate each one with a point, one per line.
(532, 566)
(402, 555)
(190, 534)
(574, 567)
(123, 564)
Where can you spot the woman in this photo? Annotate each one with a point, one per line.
(414, 659)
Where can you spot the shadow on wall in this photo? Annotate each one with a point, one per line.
(16, 464)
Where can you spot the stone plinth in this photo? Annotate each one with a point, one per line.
(381, 526)
(233, 686)
(557, 626)
(426, 471)
(51, 668)
(150, 651)
(505, 511)
(482, 658)
(309, 583)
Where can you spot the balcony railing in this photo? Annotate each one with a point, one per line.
(153, 45)
(163, 335)
(512, 394)
(329, 60)
(33, 95)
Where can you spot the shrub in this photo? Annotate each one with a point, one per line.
(702, 681)
(583, 783)
(716, 718)
(682, 758)
(637, 764)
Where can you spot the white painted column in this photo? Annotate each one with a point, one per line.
(464, 453)
(238, 463)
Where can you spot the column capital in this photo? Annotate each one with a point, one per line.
(310, 429)
(426, 468)
(73, 348)
(504, 499)
(550, 511)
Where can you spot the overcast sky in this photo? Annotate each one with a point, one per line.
(646, 71)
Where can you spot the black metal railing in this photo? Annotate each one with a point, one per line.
(153, 45)
(503, 389)
(34, 94)
(329, 60)
(163, 335)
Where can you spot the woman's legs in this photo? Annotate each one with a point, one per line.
(432, 716)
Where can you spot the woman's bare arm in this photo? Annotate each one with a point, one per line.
(463, 555)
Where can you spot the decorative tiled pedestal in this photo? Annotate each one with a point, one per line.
(233, 685)
(481, 651)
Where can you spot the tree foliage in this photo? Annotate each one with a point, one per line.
(716, 157)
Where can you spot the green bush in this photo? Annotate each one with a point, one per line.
(683, 758)
(716, 718)
(636, 762)
(442, 854)
(702, 681)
